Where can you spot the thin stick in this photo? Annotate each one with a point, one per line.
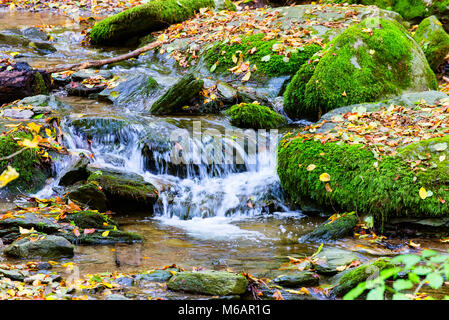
(13, 154)
(102, 62)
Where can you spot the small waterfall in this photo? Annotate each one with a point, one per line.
(197, 193)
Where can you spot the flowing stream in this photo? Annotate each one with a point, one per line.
(210, 215)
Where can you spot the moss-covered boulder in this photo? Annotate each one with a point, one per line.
(32, 168)
(217, 283)
(125, 191)
(333, 229)
(351, 278)
(363, 64)
(178, 96)
(91, 219)
(409, 9)
(352, 160)
(433, 40)
(90, 195)
(141, 20)
(255, 116)
(40, 246)
(270, 57)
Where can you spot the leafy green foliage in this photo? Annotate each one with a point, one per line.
(429, 269)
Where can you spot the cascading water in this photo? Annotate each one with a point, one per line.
(202, 197)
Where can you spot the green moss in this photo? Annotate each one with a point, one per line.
(360, 274)
(28, 164)
(141, 20)
(39, 86)
(391, 190)
(255, 116)
(359, 65)
(434, 41)
(294, 94)
(91, 219)
(277, 65)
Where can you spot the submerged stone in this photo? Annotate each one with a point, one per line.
(329, 260)
(298, 279)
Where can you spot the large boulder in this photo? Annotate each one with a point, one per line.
(47, 246)
(433, 40)
(141, 20)
(218, 283)
(365, 63)
(88, 194)
(388, 159)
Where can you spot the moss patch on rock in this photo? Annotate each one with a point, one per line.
(369, 169)
(141, 20)
(259, 53)
(33, 172)
(433, 40)
(362, 64)
(333, 230)
(255, 116)
(353, 277)
(220, 283)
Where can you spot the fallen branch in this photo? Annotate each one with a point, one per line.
(99, 63)
(13, 154)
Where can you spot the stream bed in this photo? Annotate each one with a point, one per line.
(202, 219)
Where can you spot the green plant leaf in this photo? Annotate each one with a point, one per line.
(435, 280)
(409, 260)
(422, 270)
(400, 296)
(413, 277)
(428, 253)
(402, 284)
(376, 293)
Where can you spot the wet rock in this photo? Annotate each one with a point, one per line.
(116, 297)
(227, 93)
(88, 194)
(349, 279)
(84, 74)
(125, 192)
(81, 90)
(134, 91)
(29, 39)
(30, 220)
(330, 259)
(218, 283)
(97, 238)
(44, 266)
(124, 281)
(21, 81)
(42, 103)
(18, 113)
(77, 172)
(433, 40)
(298, 279)
(178, 96)
(13, 274)
(49, 246)
(334, 230)
(156, 275)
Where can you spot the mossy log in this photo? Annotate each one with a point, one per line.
(138, 21)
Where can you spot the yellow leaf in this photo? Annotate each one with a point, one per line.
(48, 132)
(30, 144)
(423, 193)
(325, 177)
(7, 176)
(311, 167)
(25, 231)
(105, 234)
(34, 127)
(328, 187)
(247, 76)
